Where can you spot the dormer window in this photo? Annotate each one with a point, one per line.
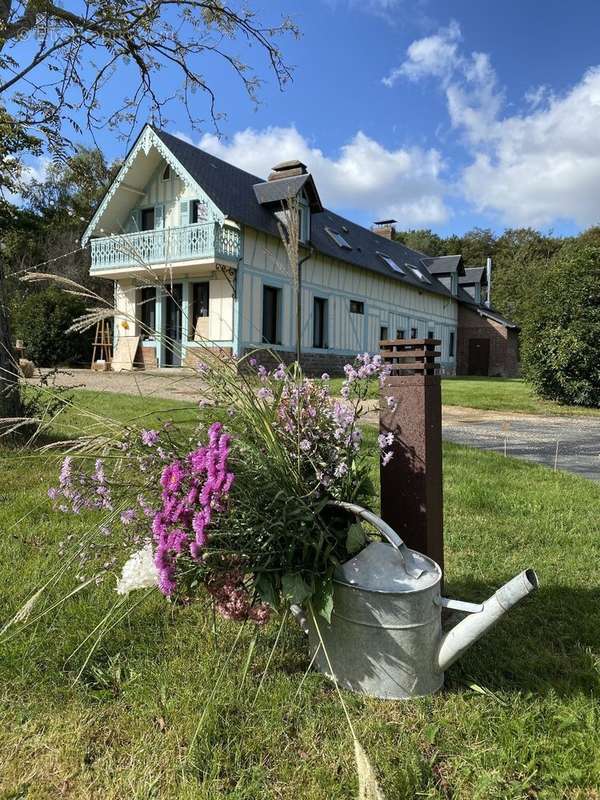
(338, 238)
(303, 222)
(391, 263)
(166, 176)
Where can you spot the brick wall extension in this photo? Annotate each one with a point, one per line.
(504, 344)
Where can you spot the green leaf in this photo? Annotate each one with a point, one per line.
(266, 589)
(295, 588)
(323, 599)
(355, 538)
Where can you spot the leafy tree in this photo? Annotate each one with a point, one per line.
(56, 211)
(56, 64)
(42, 321)
(423, 240)
(561, 333)
(477, 245)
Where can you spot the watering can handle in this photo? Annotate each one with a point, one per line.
(387, 532)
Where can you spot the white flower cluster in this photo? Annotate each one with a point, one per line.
(139, 571)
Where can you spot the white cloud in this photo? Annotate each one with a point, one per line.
(533, 167)
(364, 177)
(434, 55)
(543, 166)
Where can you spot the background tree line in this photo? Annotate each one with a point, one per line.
(550, 286)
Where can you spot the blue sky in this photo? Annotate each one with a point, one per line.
(441, 114)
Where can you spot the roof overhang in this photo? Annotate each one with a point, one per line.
(279, 190)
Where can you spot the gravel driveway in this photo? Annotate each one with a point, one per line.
(570, 443)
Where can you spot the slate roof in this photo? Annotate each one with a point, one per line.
(275, 191)
(443, 265)
(232, 191)
(474, 275)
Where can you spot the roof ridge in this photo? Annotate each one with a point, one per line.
(207, 153)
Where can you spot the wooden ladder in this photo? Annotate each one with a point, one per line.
(102, 350)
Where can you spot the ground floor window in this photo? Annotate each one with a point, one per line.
(383, 333)
(200, 309)
(414, 333)
(431, 334)
(271, 315)
(320, 322)
(451, 345)
(148, 311)
(399, 333)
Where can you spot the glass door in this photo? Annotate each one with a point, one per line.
(173, 325)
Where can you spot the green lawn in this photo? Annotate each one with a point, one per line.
(494, 394)
(519, 716)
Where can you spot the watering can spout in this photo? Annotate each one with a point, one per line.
(473, 627)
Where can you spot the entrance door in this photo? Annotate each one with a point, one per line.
(479, 356)
(173, 326)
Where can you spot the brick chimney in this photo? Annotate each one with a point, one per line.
(287, 169)
(384, 227)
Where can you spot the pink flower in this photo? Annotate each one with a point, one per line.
(150, 437)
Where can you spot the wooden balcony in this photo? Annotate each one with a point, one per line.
(165, 246)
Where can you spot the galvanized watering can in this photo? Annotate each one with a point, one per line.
(385, 637)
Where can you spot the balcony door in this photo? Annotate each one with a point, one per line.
(173, 325)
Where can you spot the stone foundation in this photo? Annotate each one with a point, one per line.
(194, 354)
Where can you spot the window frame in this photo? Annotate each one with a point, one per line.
(145, 211)
(147, 306)
(391, 263)
(276, 292)
(360, 304)
(451, 344)
(338, 238)
(383, 328)
(320, 338)
(419, 273)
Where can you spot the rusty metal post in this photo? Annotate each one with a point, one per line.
(411, 484)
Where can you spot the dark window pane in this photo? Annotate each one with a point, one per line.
(431, 334)
(414, 333)
(357, 307)
(399, 333)
(148, 311)
(451, 346)
(320, 322)
(270, 314)
(383, 333)
(147, 219)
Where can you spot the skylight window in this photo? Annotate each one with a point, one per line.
(391, 263)
(419, 273)
(338, 239)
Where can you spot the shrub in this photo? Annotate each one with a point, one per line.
(42, 321)
(561, 337)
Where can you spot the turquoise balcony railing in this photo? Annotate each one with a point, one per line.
(166, 246)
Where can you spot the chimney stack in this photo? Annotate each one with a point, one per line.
(488, 275)
(385, 228)
(287, 169)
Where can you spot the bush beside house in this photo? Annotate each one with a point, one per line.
(561, 341)
(42, 321)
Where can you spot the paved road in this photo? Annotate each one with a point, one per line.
(526, 436)
(570, 443)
